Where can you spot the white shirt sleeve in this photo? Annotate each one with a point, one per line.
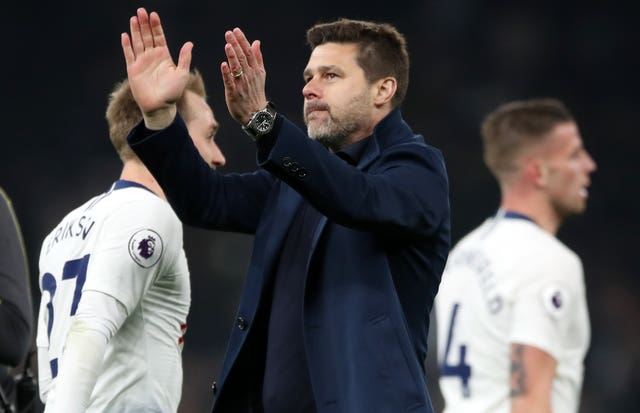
(544, 307)
(130, 253)
(98, 318)
(42, 343)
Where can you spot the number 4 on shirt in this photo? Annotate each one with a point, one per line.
(462, 369)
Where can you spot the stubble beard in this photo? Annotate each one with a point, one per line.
(331, 134)
(567, 208)
(334, 131)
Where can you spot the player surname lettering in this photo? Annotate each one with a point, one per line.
(72, 229)
(481, 266)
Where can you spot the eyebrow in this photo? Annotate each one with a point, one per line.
(322, 69)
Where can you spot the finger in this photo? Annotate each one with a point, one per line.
(136, 37)
(184, 58)
(156, 30)
(129, 56)
(145, 28)
(234, 64)
(240, 56)
(227, 77)
(244, 46)
(257, 53)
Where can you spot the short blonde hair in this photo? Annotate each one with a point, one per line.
(515, 126)
(123, 113)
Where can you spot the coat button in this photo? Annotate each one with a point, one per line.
(241, 323)
(295, 167)
(286, 162)
(214, 387)
(301, 173)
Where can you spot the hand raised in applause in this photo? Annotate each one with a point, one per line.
(244, 76)
(156, 82)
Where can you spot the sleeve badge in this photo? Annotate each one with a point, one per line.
(145, 248)
(556, 301)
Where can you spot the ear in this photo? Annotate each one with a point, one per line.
(385, 90)
(536, 172)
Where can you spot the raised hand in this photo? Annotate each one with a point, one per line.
(244, 76)
(156, 82)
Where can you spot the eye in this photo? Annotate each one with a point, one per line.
(331, 75)
(578, 153)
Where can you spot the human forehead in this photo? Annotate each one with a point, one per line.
(195, 107)
(340, 55)
(192, 100)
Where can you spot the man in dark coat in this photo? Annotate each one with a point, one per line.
(351, 226)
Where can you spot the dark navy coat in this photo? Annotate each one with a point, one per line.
(378, 253)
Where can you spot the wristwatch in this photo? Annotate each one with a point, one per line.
(261, 122)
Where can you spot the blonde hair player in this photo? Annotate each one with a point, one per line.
(115, 282)
(513, 327)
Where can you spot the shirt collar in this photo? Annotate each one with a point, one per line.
(503, 213)
(122, 184)
(353, 152)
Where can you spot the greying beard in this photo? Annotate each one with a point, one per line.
(333, 135)
(332, 141)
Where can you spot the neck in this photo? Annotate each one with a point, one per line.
(135, 171)
(377, 116)
(533, 205)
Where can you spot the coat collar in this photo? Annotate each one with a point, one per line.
(389, 130)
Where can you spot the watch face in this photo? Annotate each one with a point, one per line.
(263, 122)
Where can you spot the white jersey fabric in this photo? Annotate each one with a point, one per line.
(506, 282)
(125, 245)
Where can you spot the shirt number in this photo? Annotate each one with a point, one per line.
(461, 369)
(72, 269)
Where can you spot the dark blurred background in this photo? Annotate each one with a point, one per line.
(61, 59)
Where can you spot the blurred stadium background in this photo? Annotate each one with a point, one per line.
(62, 58)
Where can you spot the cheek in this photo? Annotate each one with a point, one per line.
(574, 174)
(203, 147)
(212, 148)
(198, 144)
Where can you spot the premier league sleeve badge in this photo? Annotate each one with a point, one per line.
(145, 248)
(555, 300)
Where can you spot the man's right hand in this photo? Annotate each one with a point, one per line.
(156, 82)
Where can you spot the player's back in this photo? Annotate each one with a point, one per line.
(126, 244)
(506, 270)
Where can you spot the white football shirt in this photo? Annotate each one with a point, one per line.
(126, 244)
(509, 281)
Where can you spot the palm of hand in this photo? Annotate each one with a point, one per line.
(156, 82)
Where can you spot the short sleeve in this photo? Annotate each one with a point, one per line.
(134, 245)
(544, 306)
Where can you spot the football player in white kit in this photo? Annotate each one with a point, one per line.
(513, 327)
(115, 283)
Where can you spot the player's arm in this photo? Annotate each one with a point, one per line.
(531, 379)
(42, 342)
(85, 346)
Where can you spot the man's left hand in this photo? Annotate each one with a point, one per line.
(244, 76)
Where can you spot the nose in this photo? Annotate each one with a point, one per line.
(591, 164)
(311, 90)
(217, 158)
